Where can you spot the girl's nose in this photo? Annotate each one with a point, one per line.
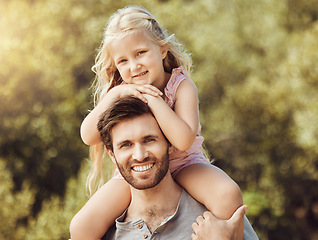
(139, 153)
(134, 66)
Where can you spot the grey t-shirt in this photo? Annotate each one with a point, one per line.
(177, 227)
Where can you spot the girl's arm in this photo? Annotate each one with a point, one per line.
(89, 131)
(181, 125)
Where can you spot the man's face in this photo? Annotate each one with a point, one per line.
(141, 151)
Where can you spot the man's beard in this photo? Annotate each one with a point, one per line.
(162, 166)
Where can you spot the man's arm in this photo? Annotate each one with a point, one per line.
(209, 227)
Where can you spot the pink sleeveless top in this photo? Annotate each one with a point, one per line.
(179, 159)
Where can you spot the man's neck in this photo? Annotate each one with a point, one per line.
(155, 204)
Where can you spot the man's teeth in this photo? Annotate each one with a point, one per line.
(142, 168)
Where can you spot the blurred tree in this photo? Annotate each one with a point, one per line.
(57, 212)
(42, 96)
(258, 87)
(14, 205)
(256, 72)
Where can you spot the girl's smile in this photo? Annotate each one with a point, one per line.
(140, 75)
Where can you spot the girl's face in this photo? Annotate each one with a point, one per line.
(139, 60)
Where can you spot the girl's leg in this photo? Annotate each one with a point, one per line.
(213, 188)
(101, 210)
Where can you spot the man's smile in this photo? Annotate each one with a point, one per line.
(142, 168)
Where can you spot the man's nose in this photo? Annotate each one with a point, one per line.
(139, 152)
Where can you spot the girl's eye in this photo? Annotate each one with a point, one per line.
(121, 61)
(140, 52)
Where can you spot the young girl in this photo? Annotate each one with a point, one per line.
(139, 58)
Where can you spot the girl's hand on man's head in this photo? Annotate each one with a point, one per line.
(136, 90)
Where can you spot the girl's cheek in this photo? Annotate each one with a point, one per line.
(121, 72)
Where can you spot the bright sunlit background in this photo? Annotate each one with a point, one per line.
(255, 66)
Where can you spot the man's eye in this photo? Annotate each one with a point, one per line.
(125, 145)
(148, 140)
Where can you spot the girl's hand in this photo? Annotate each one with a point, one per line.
(136, 91)
(89, 132)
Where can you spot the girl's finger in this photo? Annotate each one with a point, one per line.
(151, 90)
(140, 96)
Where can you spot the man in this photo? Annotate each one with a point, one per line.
(159, 208)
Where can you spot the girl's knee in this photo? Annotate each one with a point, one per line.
(228, 198)
(231, 191)
(75, 227)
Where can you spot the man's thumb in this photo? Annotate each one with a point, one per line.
(239, 214)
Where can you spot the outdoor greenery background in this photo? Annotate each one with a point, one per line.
(255, 66)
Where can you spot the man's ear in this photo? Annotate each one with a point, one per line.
(111, 154)
(171, 148)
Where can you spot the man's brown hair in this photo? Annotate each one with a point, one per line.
(122, 109)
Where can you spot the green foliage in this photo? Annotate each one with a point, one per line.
(54, 219)
(14, 205)
(41, 99)
(255, 66)
(259, 109)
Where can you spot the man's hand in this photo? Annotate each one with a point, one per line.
(209, 227)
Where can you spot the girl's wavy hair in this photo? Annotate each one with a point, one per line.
(121, 23)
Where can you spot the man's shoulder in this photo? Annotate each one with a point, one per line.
(189, 205)
(178, 226)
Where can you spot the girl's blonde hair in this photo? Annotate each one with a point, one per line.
(121, 23)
